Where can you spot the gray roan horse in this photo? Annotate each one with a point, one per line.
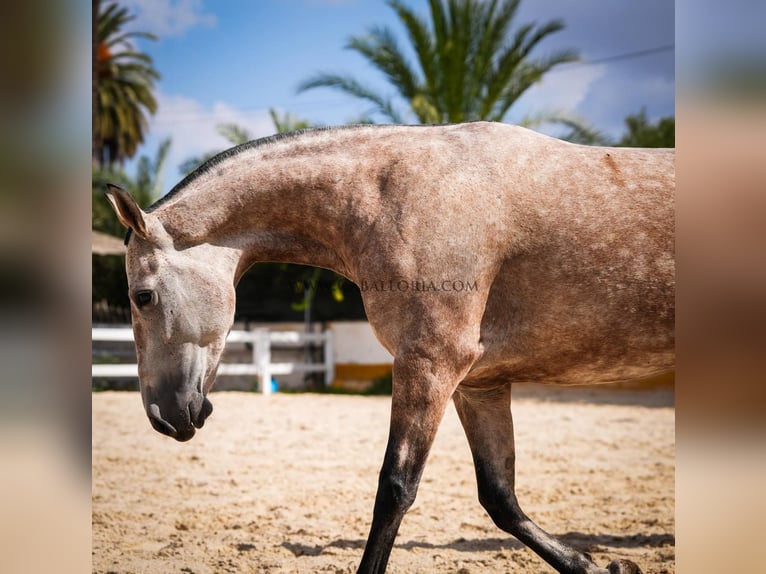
(568, 251)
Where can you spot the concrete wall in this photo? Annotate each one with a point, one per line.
(355, 343)
(359, 356)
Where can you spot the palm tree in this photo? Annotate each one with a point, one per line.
(288, 122)
(470, 66)
(145, 186)
(125, 79)
(642, 133)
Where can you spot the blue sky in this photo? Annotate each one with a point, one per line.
(232, 60)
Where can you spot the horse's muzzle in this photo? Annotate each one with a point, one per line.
(180, 421)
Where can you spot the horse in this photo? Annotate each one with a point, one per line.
(488, 255)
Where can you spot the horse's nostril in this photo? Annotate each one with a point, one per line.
(158, 423)
(204, 412)
(163, 427)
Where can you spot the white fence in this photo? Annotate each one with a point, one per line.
(262, 340)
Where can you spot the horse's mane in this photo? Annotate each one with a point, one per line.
(236, 150)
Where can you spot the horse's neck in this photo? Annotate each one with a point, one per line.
(294, 208)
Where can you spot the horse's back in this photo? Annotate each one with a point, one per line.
(585, 293)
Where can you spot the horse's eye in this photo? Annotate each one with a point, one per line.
(145, 298)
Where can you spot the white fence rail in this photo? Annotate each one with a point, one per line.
(262, 341)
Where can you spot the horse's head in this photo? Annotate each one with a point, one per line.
(182, 304)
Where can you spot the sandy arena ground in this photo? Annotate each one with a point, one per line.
(287, 483)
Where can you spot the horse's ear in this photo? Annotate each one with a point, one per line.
(127, 210)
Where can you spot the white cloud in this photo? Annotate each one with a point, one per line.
(169, 17)
(192, 127)
(561, 90)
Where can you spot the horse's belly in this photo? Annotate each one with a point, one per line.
(567, 370)
(550, 337)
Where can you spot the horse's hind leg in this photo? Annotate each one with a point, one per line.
(486, 417)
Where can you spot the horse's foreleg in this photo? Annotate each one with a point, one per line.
(420, 395)
(486, 418)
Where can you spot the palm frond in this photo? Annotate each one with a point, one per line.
(381, 49)
(234, 133)
(421, 40)
(469, 63)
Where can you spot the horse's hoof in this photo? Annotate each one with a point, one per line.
(619, 566)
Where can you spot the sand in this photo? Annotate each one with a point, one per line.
(286, 484)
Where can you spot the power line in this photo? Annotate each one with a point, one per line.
(627, 55)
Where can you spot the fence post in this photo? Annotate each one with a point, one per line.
(329, 359)
(262, 358)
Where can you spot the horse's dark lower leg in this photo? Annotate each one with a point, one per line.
(506, 513)
(419, 399)
(397, 487)
(486, 418)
